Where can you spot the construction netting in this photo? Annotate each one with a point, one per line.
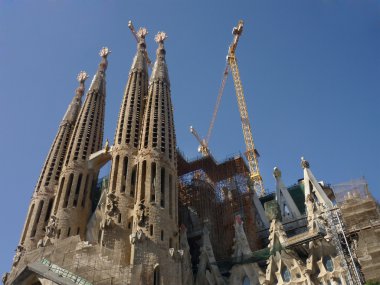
(357, 188)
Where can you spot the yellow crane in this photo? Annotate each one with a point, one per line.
(251, 153)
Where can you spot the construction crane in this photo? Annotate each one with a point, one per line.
(203, 143)
(141, 33)
(251, 153)
(203, 148)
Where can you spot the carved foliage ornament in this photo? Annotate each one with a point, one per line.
(160, 37)
(82, 76)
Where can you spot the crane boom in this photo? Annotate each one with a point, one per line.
(203, 148)
(251, 153)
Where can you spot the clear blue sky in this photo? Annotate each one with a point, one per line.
(310, 71)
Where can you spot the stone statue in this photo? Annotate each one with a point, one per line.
(141, 215)
(19, 253)
(51, 228)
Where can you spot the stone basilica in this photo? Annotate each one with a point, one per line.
(159, 218)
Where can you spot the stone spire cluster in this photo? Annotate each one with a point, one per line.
(139, 210)
(43, 196)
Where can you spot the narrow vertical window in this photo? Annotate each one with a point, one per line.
(59, 195)
(85, 191)
(124, 172)
(78, 230)
(48, 211)
(68, 189)
(163, 187)
(133, 181)
(76, 196)
(143, 178)
(68, 231)
(162, 235)
(37, 218)
(27, 223)
(151, 230)
(115, 170)
(156, 275)
(170, 195)
(153, 182)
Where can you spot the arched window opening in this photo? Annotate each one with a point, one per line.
(328, 263)
(156, 275)
(285, 273)
(119, 218)
(246, 281)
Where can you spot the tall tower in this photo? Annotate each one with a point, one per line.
(72, 204)
(155, 222)
(43, 196)
(117, 223)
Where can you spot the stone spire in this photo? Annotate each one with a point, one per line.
(156, 211)
(117, 224)
(43, 197)
(72, 203)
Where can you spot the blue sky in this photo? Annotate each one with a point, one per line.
(310, 72)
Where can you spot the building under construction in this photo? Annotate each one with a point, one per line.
(160, 219)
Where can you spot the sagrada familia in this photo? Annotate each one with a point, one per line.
(159, 218)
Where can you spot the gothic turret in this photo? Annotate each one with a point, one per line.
(73, 204)
(155, 224)
(117, 221)
(43, 196)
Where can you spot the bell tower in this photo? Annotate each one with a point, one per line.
(155, 224)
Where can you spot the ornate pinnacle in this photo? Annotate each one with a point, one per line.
(304, 163)
(82, 76)
(104, 52)
(141, 33)
(276, 172)
(160, 37)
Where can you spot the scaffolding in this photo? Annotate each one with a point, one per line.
(211, 195)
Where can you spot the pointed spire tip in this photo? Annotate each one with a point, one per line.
(104, 52)
(276, 172)
(160, 37)
(82, 76)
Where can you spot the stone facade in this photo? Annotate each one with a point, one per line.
(142, 231)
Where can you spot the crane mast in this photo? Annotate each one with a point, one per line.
(251, 153)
